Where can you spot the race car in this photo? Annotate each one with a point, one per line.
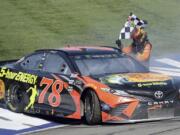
(99, 84)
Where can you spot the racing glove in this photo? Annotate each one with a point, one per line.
(119, 44)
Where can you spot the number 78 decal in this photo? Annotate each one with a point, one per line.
(54, 97)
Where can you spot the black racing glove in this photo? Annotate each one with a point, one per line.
(119, 44)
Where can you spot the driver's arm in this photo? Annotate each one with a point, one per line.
(127, 49)
(145, 55)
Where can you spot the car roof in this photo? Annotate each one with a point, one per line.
(78, 50)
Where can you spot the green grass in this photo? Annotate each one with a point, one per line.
(27, 25)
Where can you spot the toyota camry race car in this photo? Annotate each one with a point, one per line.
(100, 84)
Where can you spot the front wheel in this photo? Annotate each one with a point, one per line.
(92, 108)
(15, 98)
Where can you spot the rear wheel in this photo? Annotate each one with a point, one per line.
(92, 108)
(15, 98)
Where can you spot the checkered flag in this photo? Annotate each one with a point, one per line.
(125, 32)
(137, 22)
(132, 22)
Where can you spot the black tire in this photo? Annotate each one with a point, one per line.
(15, 98)
(92, 108)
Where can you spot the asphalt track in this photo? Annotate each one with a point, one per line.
(165, 127)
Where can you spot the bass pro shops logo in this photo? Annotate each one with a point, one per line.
(158, 95)
(2, 89)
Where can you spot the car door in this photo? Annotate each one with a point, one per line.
(57, 92)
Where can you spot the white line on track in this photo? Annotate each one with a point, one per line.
(166, 69)
(170, 62)
(166, 72)
(45, 129)
(17, 121)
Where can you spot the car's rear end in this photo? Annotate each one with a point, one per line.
(2, 85)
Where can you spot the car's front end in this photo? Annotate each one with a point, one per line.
(139, 97)
(126, 90)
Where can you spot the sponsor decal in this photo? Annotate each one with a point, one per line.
(136, 77)
(146, 77)
(2, 89)
(152, 84)
(19, 76)
(70, 88)
(32, 98)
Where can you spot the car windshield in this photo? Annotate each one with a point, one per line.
(98, 64)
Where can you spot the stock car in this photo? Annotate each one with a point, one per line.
(99, 84)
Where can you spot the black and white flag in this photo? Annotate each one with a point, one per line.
(132, 22)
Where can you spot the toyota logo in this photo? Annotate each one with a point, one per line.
(158, 95)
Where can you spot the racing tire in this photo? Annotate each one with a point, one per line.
(92, 108)
(15, 98)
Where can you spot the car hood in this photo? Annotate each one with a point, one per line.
(138, 82)
(134, 78)
(141, 84)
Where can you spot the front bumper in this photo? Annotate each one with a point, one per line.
(144, 111)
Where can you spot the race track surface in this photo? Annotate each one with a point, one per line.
(165, 127)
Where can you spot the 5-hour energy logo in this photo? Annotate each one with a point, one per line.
(19, 76)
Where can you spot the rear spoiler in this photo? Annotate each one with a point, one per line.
(7, 62)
